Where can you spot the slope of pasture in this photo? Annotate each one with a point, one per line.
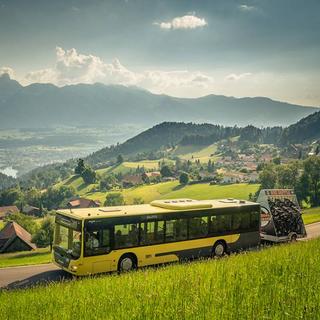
(257, 285)
(172, 189)
(197, 153)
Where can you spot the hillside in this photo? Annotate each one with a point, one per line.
(280, 282)
(42, 105)
(307, 129)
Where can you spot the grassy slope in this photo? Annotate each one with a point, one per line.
(25, 258)
(257, 285)
(171, 190)
(197, 153)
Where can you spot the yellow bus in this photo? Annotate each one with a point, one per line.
(96, 240)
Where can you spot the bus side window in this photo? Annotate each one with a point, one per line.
(176, 230)
(198, 227)
(151, 232)
(254, 220)
(126, 236)
(245, 221)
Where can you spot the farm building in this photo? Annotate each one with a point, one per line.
(82, 203)
(130, 180)
(31, 210)
(151, 176)
(14, 238)
(5, 211)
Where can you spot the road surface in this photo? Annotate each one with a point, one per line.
(27, 276)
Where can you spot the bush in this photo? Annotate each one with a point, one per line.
(24, 221)
(114, 199)
(44, 236)
(184, 178)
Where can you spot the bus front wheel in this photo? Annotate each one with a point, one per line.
(127, 263)
(219, 249)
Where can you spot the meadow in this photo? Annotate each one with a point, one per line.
(280, 282)
(24, 258)
(172, 189)
(311, 215)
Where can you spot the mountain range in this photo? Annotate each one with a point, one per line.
(45, 105)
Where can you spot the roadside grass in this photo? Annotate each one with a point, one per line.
(280, 282)
(311, 215)
(24, 258)
(1, 224)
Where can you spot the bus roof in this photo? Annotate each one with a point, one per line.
(155, 207)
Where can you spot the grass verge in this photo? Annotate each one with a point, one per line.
(281, 282)
(25, 258)
(311, 215)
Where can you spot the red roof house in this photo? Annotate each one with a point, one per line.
(83, 203)
(14, 238)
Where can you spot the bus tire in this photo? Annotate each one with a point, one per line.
(219, 249)
(127, 262)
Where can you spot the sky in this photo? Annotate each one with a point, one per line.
(177, 47)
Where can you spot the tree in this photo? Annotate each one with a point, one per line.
(287, 176)
(166, 171)
(44, 236)
(184, 178)
(107, 182)
(114, 199)
(80, 167)
(268, 177)
(119, 159)
(54, 198)
(312, 170)
(276, 160)
(11, 196)
(88, 175)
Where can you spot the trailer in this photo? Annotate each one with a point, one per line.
(281, 219)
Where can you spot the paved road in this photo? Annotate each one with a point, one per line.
(27, 276)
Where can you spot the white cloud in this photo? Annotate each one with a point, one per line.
(235, 77)
(7, 70)
(72, 67)
(245, 7)
(185, 22)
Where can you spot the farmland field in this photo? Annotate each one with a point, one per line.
(25, 258)
(256, 285)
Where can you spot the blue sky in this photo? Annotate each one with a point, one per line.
(182, 48)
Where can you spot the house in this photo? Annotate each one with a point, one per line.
(130, 180)
(5, 211)
(14, 238)
(83, 203)
(151, 176)
(31, 210)
(233, 177)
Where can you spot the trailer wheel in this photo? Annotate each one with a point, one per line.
(293, 237)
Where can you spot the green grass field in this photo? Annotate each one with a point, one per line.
(311, 215)
(172, 189)
(197, 153)
(281, 282)
(25, 258)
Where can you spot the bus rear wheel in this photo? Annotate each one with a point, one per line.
(127, 262)
(219, 249)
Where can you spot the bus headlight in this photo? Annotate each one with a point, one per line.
(74, 268)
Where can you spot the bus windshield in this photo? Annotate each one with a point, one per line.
(68, 236)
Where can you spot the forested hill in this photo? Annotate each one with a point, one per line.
(307, 129)
(167, 135)
(45, 105)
